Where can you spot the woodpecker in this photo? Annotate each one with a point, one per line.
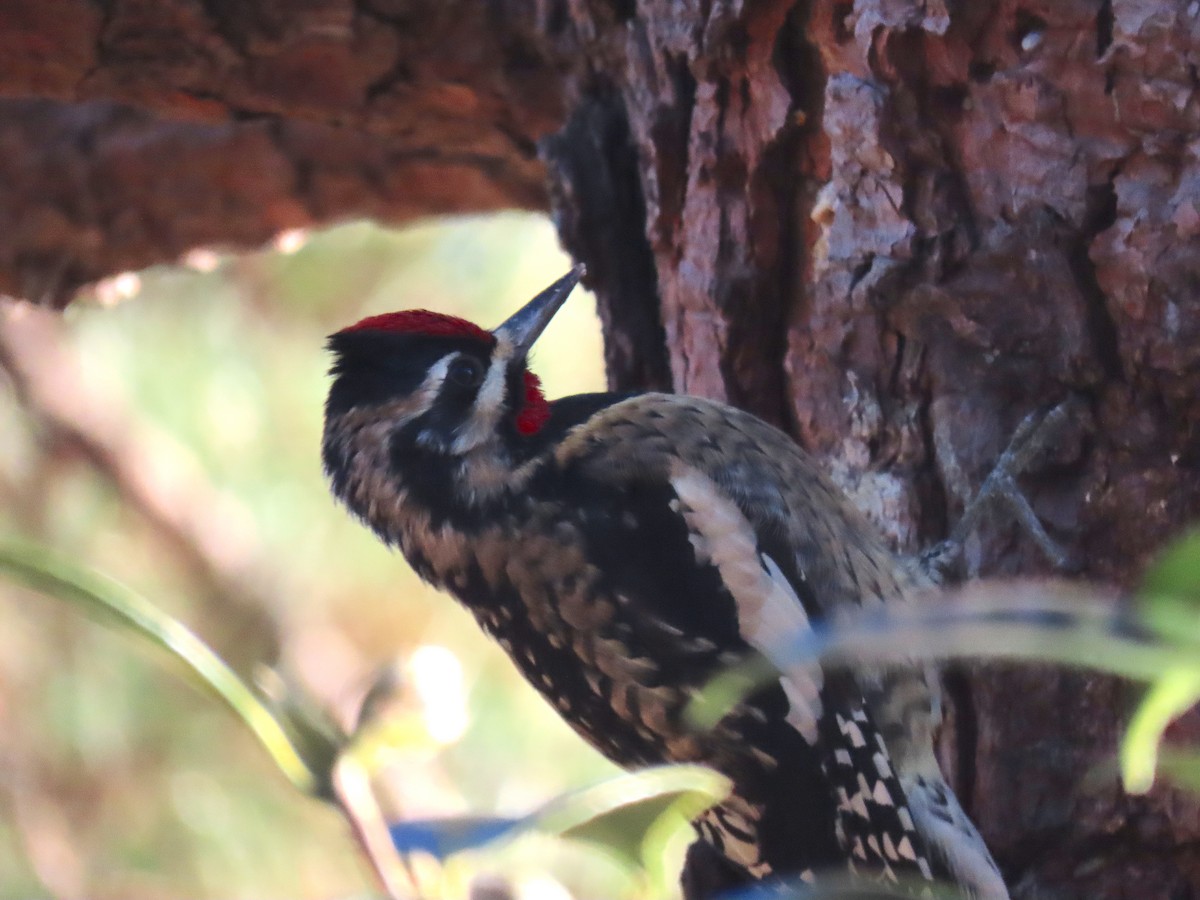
(625, 548)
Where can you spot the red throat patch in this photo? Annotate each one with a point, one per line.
(536, 411)
(422, 321)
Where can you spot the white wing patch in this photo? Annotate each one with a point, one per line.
(767, 605)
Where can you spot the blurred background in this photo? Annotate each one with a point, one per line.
(166, 430)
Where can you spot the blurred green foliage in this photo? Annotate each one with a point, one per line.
(120, 609)
(1155, 640)
(207, 382)
(1169, 600)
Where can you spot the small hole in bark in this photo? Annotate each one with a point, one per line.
(1029, 31)
(1104, 27)
(861, 270)
(521, 57)
(981, 72)
(952, 98)
(1101, 207)
(841, 30)
(624, 9)
(556, 21)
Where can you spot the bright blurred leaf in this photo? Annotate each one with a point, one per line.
(1170, 594)
(727, 689)
(1052, 622)
(317, 738)
(1037, 621)
(1170, 602)
(121, 609)
(1177, 570)
(1168, 698)
(1181, 768)
(630, 814)
(618, 814)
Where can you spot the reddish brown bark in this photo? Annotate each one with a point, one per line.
(892, 226)
(898, 230)
(240, 119)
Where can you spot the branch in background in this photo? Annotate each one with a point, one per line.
(476, 74)
(92, 189)
(154, 476)
(237, 121)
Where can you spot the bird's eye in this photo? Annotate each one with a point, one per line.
(465, 372)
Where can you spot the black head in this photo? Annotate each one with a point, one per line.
(440, 383)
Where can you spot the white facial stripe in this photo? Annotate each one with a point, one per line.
(485, 415)
(427, 393)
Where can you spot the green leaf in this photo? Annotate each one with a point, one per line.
(316, 737)
(630, 816)
(727, 689)
(636, 800)
(1182, 768)
(121, 609)
(1177, 570)
(1170, 594)
(1170, 603)
(634, 829)
(1168, 698)
(1050, 621)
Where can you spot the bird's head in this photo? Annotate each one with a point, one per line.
(437, 384)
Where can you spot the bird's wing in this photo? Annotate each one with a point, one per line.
(792, 505)
(784, 549)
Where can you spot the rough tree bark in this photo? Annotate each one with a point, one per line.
(891, 226)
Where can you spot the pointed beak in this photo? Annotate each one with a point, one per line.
(527, 324)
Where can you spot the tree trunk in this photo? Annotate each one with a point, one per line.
(893, 227)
